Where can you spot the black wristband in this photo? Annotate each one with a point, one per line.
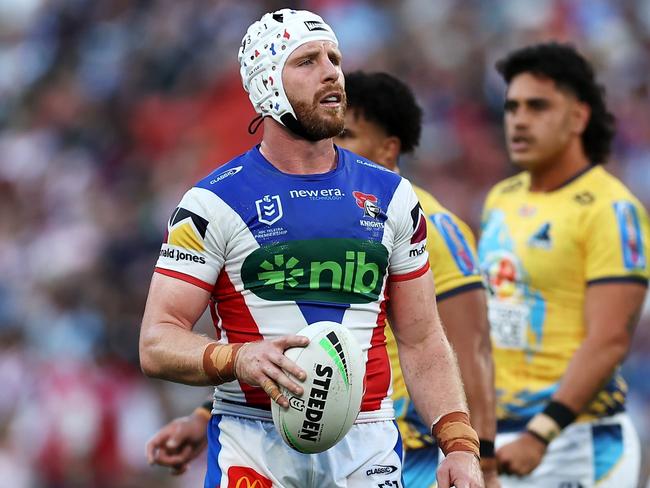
(559, 412)
(207, 405)
(486, 448)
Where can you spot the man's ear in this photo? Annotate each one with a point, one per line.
(581, 115)
(389, 151)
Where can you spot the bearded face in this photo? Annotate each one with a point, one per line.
(315, 87)
(324, 116)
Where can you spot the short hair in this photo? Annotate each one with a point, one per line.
(387, 102)
(570, 71)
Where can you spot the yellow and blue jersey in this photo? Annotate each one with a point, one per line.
(538, 253)
(452, 258)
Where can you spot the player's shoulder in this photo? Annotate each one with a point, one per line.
(604, 185)
(359, 164)
(509, 186)
(228, 174)
(430, 205)
(598, 188)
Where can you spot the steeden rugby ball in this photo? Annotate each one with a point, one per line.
(330, 403)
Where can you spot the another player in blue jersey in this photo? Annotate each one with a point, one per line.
(252, 241)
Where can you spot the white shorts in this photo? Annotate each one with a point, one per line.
(605, 453)
(246, 453)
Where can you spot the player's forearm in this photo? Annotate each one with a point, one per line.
(465, 320)
(477, 373)
(432, 377)
(591, 367)
(172, 353)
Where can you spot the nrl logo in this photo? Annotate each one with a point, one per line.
(269, 209)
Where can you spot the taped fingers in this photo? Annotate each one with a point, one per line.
(272, 390)
(281, 379)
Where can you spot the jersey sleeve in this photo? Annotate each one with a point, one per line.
(409, 258)
(616, 237)
(489, 204)
(193, 249)
(452, 255)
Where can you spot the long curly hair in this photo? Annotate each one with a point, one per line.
(571, 71)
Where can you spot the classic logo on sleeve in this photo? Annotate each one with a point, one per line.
(631, 237)
(226, 174)
(456, 243)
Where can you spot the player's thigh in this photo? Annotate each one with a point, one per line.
(244, 452)
(369, 456)
(617, 453)
(420, 466)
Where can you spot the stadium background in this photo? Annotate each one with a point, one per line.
(110, 109)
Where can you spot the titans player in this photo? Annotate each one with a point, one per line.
(564, 250)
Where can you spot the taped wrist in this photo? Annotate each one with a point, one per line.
(219, 361)
(548, 424)
(453, 432)
(204, 411)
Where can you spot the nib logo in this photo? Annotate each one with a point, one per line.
(318, 270)
(278, 273)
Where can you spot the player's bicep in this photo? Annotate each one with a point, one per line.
(412, 309)
(173, 301)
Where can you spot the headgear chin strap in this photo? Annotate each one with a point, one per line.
(263, 53)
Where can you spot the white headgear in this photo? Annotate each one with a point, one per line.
(264, 51)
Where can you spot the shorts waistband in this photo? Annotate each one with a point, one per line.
(263, 412)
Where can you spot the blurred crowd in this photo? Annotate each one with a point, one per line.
(111, 109)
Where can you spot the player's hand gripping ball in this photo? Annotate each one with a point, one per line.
(323, 414)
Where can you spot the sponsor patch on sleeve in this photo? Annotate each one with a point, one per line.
(186, 234)
(419, 225)
(629, 229)
(456, 243)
